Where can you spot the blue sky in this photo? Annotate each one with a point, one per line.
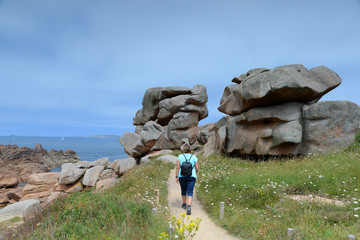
(77, 68)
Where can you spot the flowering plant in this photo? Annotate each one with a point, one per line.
(185, 228)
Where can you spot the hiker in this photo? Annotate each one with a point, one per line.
(187, 183)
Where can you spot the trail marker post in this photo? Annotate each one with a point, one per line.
(222, 208)
(157, 192)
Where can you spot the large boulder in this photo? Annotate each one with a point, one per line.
(274, 130)
(106, 183)
(70, 173)
(9, 182)
(330, 125)
(19, 209)
(120, 166)
(40, 186)
(151, 101)
(216, 142)
(133, 144)
(150, 133)
(92, 175)
(99, 162)
(290, 83)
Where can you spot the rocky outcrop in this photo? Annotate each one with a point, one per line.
(168, 115)
(266, 87)
(275, 112)
(329, 125)
(24, 161)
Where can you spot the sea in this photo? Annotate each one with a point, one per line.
(87, 148)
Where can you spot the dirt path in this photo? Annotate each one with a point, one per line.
(208, 230)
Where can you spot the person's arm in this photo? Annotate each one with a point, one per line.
(196, 166)
(177, 171)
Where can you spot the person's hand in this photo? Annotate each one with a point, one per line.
(177, 180)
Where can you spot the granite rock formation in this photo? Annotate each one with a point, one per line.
(24, 161)
(276, 112)
(168, 115)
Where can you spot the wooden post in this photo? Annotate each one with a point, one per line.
(157, 192)
(222, 208)
(351, 237)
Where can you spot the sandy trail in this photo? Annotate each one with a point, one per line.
(208, 230)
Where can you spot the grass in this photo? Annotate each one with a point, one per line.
(122, 212)
(255, 195)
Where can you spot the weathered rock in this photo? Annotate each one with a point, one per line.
(282, 84)
(22, 162)
(41, 196)
(204, 132)
(133, 144)
(81, 164)
(9, 182)
(176, 135)
(15, 194)
(70, 174)
(168, 158)
(198, 95)
(177, 109)
(39, 183)
(146, 159)
(150, 108)
(100, 162)
(106, 183)
(274, 130)
(122, 165)
(183, 120)
(55, 158)
(54, 196)
(163, 142)
(92, 175)
(107, 173)
(3, 196)
(70, 188)
(150, 133)
(211, 146)
(202, 110)
(216, 143)
(44, 178)
(232, 102)
(170, 106)
(330, 126)
(18, 209)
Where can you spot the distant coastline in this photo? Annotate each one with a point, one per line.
(105, 136)
(93, 136)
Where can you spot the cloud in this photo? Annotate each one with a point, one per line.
(94, 60)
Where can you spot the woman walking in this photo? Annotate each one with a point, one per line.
(187, 181)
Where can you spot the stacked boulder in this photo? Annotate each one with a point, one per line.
(169, 114)
(276, 112)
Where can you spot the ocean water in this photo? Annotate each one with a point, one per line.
(87, 148)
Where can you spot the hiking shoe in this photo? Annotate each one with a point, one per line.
(183, 205)
(188, 212)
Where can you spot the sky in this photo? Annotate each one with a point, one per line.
(81, 67)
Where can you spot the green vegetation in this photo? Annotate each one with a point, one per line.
(256, 195)
(122, 212)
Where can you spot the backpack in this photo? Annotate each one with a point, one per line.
(186, 167)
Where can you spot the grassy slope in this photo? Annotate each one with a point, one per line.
(256, 202)
(122, 212)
